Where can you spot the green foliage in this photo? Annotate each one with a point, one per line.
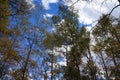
(21, 42)
(18, 74)
(4, 15)
(68, 33)
(106, 35)
(9, 54)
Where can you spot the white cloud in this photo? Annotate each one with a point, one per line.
(62, 63)
(90, 12)
(30, 2)
(59, 50)
(47, 15)
(47, 2)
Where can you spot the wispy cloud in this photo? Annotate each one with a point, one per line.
(47, 2)
(90, 12)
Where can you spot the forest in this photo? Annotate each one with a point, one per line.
(35, 45)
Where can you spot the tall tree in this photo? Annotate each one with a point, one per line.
(68, 33)
(106, 35)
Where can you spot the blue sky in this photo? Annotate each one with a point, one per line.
(88, 12)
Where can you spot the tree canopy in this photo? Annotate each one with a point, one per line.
(35, 45)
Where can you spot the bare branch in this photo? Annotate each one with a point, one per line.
(114, 9)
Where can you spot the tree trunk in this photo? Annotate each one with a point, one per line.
(92, 69)
(26, 62)
(105, 68)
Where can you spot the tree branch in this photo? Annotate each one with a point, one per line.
(114, 9)
(107, 15)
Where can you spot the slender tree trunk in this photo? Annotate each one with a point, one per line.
(116, 65)
(78, 69)
(67, 63)
(105, 68)
(45, 75)
(92, 69)
(52, 74)
(26, 62)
